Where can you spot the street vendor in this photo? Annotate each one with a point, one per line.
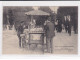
(20, 31)
(49, 30)
(32, 23)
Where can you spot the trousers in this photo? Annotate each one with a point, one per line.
(49, 42)
(19, 40)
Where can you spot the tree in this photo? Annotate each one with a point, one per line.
(4, 16)
(48, 10)
(72, 11)
(19, 14)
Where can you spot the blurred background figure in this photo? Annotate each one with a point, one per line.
(69, 24)
(59, 26)
(56, 25)
(66, 24)
(20, 31)
(11, 19)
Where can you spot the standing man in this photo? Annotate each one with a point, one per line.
(66, 25)
(20, 30)
(11, 19)
(59, 26)
(69, 25)
(49, 30)
(69, 28)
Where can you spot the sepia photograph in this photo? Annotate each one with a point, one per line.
(40, 30)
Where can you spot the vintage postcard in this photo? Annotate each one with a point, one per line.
(40, 30)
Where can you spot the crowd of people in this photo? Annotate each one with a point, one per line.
(66, 25)
(59, 27)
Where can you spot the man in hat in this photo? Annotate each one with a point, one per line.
(49, 30)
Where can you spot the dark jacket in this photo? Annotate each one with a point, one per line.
(20, 30)
(49, 28)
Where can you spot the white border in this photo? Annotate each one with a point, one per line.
(0, 28)
(39, 3)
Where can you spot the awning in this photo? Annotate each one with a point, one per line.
(37, 12)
